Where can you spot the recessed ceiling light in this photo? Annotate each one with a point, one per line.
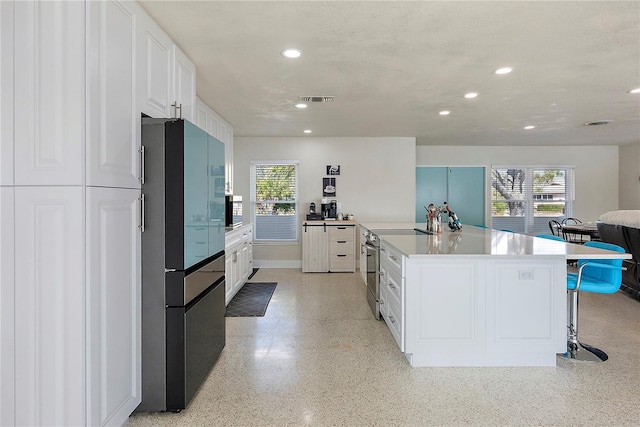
(529, 127)
(636, 90)
(444, 113)
(504, 70)
(470, 95)
(307, 131)
(291, 53)
(301, 105)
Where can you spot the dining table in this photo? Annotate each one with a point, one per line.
(583, 229)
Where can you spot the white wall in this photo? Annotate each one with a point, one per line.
(629, 176)
(595, 167)
(376, 181)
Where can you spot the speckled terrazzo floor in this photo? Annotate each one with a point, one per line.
(319, 358)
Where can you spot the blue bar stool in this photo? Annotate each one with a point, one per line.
(551, 237)
(602, 276)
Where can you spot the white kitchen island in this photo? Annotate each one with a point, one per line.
(477, 297)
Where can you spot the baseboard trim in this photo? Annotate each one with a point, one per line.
(277, 263)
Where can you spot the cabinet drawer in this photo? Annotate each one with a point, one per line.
(394, 284)
(342, 262)
(338, 233)
(394, 322)
(341, 247)
(392, 257)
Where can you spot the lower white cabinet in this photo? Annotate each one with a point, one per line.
(49, 329)
(328, 246)
(392, 299)
(113, 301)
(239, 259)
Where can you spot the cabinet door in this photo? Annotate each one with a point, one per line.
(6, 95)
(201, 115)
(113, 300)
(154, 63)
(7, 306)
(315, 249)
(50, 320)
(228, 277)
(49, 108)
(113, 126)
(184, 84)
(228, 169)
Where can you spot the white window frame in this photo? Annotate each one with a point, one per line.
(254, 201)
(529, 213)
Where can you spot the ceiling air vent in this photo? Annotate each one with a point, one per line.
(316, 99)
(598, 123)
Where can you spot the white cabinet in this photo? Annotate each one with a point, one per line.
(49, 97)
(228, 163)
(328, 246)
(154, 63)
(113, 295)
(342, 243)
(315, 248)
(474, 311)
(49, 352)
(113, 116)
(167, 77)
(239, 259)
(6, 95)
(184, 85)
(392, 292)
(7, 306)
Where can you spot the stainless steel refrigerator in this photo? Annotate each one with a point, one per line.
(183, 261)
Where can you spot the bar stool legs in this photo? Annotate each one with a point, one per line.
(575, 349)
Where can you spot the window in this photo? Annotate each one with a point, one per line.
(525, 199)
(274, 193)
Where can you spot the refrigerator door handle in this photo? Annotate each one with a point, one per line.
(141, 226)
(141, 151)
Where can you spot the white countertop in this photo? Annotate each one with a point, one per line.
(475, 241)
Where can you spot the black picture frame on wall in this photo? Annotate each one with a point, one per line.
(333, 169)
(328, 187)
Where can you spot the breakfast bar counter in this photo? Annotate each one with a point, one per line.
(478, 297)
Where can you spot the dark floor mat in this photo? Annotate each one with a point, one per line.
(252, 300)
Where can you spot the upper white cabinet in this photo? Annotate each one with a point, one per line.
(113, 118)
(184, 85)
(49, 94)
(6, 94)
(154, 63)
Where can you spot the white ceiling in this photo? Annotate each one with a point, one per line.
(392, 66)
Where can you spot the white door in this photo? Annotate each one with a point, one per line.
(49, 306)
(154, 64)
(6, 95)
(184, 84)
(7, 307)
(113, 125)
(113, 304)
(49, 59)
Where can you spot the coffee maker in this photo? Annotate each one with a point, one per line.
(313, 215)
(329, 209)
